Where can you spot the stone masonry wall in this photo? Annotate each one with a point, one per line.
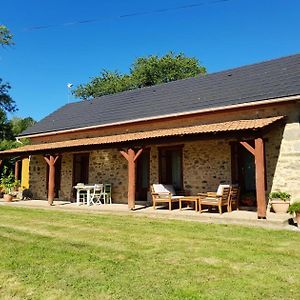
(37, 177)
(66, 176)
(107, 166)
(206, 164)
(111, 167)
(283, 157)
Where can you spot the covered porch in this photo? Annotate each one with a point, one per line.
(194, 158)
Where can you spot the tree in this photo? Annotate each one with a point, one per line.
(107, 83)
(20, 124)
(6, 38)
(154, 70)
(5, 127)
(6, 102)
(9, 129)
(145, 71)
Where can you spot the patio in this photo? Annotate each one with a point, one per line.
(238, 217)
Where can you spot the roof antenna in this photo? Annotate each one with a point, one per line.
(69, 86)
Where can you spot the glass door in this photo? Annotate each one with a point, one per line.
(80, 169)
(170, 166)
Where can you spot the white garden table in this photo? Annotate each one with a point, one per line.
(84, 188)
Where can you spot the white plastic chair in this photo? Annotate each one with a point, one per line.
(98, 194)
(82, 195)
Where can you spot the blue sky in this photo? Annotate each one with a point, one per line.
(221, 35)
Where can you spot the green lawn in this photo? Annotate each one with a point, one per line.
(60, 255)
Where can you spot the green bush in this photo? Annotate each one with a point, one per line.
(280, 195)
(8, 181)
(294, 208)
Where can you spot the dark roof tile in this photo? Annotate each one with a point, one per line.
(261, 81)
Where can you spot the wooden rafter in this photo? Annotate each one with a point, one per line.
(248, 147)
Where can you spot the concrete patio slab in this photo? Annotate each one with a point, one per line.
(241, 217)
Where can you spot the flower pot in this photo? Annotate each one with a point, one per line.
(280, 206)
(248, 201)
(8, 198)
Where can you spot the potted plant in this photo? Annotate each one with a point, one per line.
(248, 199)
(8, 183)
(280, 201)
(295, 209)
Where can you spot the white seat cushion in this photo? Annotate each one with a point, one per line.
(159, 188)
(163, 188)
(220, 189)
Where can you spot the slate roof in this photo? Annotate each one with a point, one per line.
(232, 126)
(271, 79)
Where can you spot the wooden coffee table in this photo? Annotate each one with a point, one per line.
(188, 199)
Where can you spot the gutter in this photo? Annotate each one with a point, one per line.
(249, 104)
(18, 140)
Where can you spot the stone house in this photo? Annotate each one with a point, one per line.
(235, 126)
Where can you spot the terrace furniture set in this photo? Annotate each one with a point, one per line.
(226, 195)
(93, 194)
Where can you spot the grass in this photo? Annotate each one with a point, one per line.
(62, 255)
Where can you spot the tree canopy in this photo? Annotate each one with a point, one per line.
(6, 38)
(9, 129)
(145, 71)
(6, 102)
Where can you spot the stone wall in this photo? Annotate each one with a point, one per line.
(37, 177)
(111, 167)
(107, 166)
(206, 164)
(283, 157)
(66, 176)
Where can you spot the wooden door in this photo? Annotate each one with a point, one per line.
(81, 168)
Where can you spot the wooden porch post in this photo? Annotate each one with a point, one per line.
(131, 158)
(258, 153)
(51, 183)
(260, 178)
(16, 168)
